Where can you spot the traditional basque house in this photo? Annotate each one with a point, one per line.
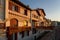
(18, 18)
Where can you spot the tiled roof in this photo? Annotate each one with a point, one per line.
(20, 3)
(42, 10)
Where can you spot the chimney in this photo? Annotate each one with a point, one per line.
(28, 6)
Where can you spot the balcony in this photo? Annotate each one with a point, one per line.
(46, 28)
(34, 16)
(11, 30)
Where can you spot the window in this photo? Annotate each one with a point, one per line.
(22, 34)
(25, 23)
(42, 23)
(25, 12)
(15, 8)
(27, 33)
(34, 16)
(33, 31)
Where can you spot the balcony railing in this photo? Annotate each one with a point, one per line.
(47, 28)
(34, 16)
(11, 30)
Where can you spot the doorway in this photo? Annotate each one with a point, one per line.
(14, 24)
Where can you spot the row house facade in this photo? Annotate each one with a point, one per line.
(42, 17)
(19, 19)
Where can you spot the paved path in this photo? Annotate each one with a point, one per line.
(47, 36)
(57, 34)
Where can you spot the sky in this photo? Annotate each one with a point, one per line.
(51, 7)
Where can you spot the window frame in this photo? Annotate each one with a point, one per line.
(15, 8)
(25, 12)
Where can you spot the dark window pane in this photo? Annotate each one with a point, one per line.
(15, 8)
(25, 12)
(27, 33)
(22, 34)
(33, 31)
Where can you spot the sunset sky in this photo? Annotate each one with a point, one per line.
(51, 7)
